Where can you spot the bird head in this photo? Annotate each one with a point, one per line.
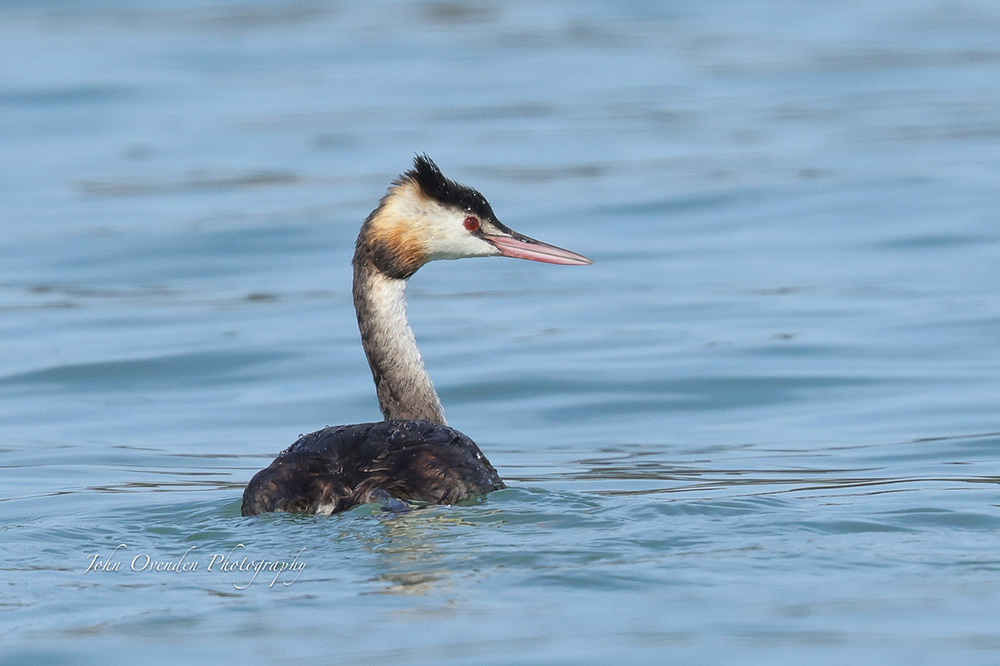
(426, 216)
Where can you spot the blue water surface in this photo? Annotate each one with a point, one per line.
(762, 428)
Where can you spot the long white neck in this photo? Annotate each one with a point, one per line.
(404, 389)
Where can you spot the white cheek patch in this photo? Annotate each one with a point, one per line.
(439, 230)
(447, 237)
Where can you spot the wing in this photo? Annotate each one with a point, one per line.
(334, 469)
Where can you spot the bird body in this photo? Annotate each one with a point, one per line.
(337, 468)
(413, 455)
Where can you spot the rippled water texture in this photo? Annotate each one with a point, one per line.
(761, 428)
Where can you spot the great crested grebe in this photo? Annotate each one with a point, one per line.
(412, 454)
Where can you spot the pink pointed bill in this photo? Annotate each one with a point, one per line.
(523, 247)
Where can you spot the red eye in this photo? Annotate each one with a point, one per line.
(471, 223)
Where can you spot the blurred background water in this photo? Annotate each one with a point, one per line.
(761, 428)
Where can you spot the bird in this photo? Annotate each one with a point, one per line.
(411, 457)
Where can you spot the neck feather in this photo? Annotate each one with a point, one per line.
(403, 386)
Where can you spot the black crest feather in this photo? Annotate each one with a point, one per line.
(428, 176)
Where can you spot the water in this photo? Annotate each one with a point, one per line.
(761, 428)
